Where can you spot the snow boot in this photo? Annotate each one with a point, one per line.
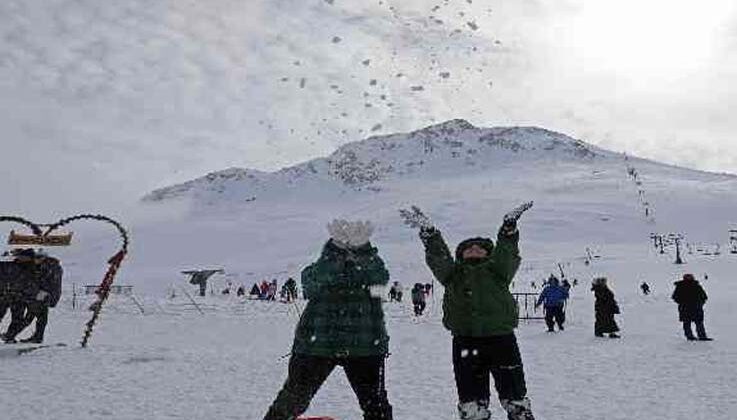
(32, 339)
(474, 410)
(518, 409)
(614, 335)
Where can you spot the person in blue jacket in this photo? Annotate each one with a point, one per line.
(553, 298)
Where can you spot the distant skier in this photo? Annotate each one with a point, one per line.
(605, 308)
(481, 314)
(691, 297)
(418, 299)
(241, 291)
(645, 288)
(553, 298)
(342, 325)
(566, 285)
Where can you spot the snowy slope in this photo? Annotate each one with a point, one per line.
(173, 362)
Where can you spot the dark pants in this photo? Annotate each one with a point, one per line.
(307, 374)
(17, 314)
(35, 311)
(700, 329)
(419, 308)
(474, 358)
(553, 315)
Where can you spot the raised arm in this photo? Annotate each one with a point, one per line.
(437, 254)
(506, 253)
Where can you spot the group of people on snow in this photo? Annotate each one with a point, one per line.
(343, 321)
(30, 284)
(269, 291)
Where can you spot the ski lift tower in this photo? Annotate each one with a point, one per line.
(676, 239)
(733, 241)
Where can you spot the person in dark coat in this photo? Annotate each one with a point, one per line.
(18, 284)
(566, 285)
(691, 297)
(342, 325)
(553, 298)
(605, 308)
(481, 314)
(255, 292)
(49, 277)
(645, 288)
(291, 289)
(418, 299)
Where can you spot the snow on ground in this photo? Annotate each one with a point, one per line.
(174, 363)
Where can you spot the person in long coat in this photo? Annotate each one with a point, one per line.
(605, 307)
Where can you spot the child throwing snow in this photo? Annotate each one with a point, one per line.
(481, 314)
(342, 325)
(605, 308)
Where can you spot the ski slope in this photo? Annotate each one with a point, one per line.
(172, 362)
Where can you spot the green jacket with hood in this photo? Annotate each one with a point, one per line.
(343, 318)
(477, 301)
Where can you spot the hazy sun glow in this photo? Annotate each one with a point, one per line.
(648, 36)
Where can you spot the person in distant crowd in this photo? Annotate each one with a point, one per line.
(241, 291)
(566, 285)
(645, 288)
(395, 292)
(255, 292)
(226, 291)
(553, 298)
(47, 294)
(418, 299)
(340, 282)
(575, 282)
(428, 289)
(273, 289)
(291, 289)
(605, 307)
(691, 297)
(533, 285)
(264, 290)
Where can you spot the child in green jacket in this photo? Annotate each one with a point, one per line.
(481, 314)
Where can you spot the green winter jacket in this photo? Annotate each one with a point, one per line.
(342, 317)
(477, 301)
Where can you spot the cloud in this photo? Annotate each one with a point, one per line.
(108, 100)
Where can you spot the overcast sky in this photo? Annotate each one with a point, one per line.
(101, 102)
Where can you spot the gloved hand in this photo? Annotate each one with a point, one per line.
(41, 295)
(510, 219)
(415, 218)
(347, 234)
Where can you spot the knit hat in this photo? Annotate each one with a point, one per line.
(484, 243)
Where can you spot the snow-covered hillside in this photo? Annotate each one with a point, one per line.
(174, 362)
(258, 224)
(454, 146)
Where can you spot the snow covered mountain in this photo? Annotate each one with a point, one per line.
(259, 224)
(454, 145)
